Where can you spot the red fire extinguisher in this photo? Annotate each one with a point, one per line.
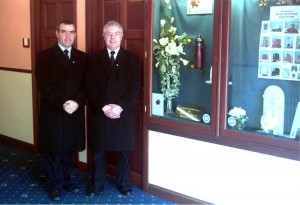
(199, 54)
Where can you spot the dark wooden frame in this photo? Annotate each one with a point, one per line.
(35, 47)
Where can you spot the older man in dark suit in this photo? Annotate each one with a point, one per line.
(60, 72)
(113, 82)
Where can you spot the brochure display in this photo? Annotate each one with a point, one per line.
(279, 48)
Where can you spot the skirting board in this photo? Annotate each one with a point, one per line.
(174, 196)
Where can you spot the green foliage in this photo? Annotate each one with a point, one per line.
(169, 53)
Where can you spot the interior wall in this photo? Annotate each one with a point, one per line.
(14, 29)
(15, 87)
(16, 106)
(221, 175)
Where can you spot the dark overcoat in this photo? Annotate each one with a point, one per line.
(59, 80)
(112, 84)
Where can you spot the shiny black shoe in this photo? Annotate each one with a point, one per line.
(71, 188)
(125, 190)
(94, 190)
(55, 195)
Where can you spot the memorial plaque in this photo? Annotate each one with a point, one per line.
(190, 113)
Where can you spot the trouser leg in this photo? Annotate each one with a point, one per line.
(99, 168)
(123, 168)
(53, 169)
(68, 161)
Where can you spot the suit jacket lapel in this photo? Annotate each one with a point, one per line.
(121, 57)
(60, 55)
(74, 56)
(104, 60)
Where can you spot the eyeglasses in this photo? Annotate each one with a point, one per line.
(65, 32)
(117, 34)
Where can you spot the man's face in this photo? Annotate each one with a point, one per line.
(66, 35)
(113, 37)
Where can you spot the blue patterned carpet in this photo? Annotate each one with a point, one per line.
(22, 182)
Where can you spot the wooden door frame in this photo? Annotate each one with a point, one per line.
(35, 47)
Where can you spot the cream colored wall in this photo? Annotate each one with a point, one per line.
(16, 106)
(221, 175)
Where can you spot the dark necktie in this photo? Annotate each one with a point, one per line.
(66, 52)
(112, 58)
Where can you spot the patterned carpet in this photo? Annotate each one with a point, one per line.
(22, 182)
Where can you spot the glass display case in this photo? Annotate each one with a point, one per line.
(241, 84)
(183, 39)
(263, 68)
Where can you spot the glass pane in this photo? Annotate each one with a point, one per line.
(192, 98)
(264, 68)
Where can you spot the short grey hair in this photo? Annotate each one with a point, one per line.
(113, 23)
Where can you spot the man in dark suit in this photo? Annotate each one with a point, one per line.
(113, 82)
(60, 72)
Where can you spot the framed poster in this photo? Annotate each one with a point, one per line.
(279, 46)
(199, 7)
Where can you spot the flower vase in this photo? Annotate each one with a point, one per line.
(169, 99)
(239, 126)
(169, 106)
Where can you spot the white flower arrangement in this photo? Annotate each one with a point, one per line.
(169, 53)
(239, 114)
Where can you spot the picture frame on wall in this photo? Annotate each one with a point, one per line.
(199, 7)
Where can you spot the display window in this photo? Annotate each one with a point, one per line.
(227, 72)
(265, 92)
(182, 62)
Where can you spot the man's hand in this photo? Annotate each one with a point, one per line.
(70, 106)
(112, 111)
